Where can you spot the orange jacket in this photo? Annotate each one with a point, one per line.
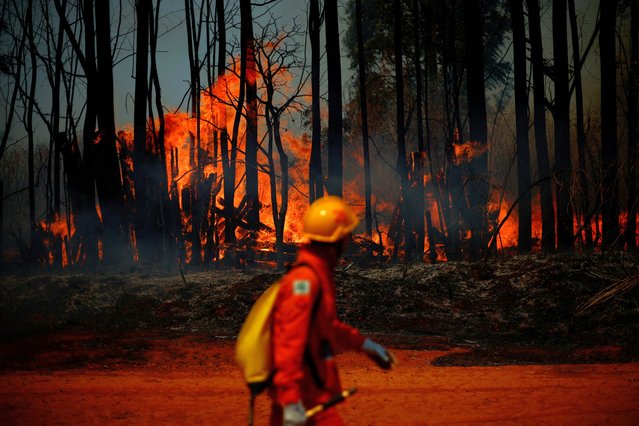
(300, 326)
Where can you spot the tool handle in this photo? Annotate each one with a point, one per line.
(336, 399)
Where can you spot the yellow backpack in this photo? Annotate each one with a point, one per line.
(253, 348)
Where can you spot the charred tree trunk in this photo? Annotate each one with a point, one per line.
(142, 164)
(281, 216)
(335, 168)
(402, 167)
(17, 75)
(87, 220)
(228, 161)
(55, 119)
(248, 54)
(631, 230)
(168, 219)
(524, 242)
(107, 168)
(478, 184)
(1, 216)
(581, 133)
(609, 196)
(541, 144)
(418, 216)
(452, 196)
(193, 42)
(364, 117)
(561, 113)
(29, 118)
(316, 178)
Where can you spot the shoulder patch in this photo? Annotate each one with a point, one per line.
(302, 287)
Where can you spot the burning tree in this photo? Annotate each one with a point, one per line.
(226, 180)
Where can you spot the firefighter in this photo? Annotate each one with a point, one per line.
(306, 330)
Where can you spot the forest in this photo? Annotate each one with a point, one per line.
(457, 129)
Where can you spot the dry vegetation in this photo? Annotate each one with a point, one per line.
(526, 301)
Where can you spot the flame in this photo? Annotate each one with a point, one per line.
(56, 234)
(466, 151)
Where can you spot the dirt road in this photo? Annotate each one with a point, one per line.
(81, 380)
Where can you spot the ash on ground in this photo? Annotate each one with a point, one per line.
(493, 306)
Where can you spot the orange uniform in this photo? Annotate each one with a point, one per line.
(306, 332)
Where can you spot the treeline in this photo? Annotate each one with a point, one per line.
(429, 79)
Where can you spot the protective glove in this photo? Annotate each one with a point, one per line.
(379, 354)
(294, 415)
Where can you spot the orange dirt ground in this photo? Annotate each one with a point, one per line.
(195, 381)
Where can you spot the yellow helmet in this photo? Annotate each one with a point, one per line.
(329, 219)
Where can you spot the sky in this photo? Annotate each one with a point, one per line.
(172, 56)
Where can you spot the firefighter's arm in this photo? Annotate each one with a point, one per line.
(347, 337)
(290, 332)
(350, 338)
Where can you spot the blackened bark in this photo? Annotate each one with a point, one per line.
(167, 220)
(609, 196)
(141, 158)
(107, 168)
(364, 117)
(248, 53)
(418, 198)
(561, 113)
(402, 167)
(29, 117)
(633, 141)
(228, 166)
(452, 197)
(541, 144)
(581, 132)
(316, 179)
(55, 118)
(524, 241)
(478, 183)
(335, 137)
(195, 179)
(281, 216)
(1, 216)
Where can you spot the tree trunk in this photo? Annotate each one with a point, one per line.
(141, 156)
(631, 229)
(581, 133)
(1, 217)
(364, 116)
(228, 165)
(195, 179)
(478, 184)
(248, 54)
(281, 216)
(609, 196)
(524, 242)
(167, 220)
(316, 178)
(55, 118)
(541, 144)
(29, 115)
(452, 196)
(418, 198)
(402, 167)
(107, 168)
(335, 170)
(561, 113)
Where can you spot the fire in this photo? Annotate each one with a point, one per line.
(57, 233)
(466, 151)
